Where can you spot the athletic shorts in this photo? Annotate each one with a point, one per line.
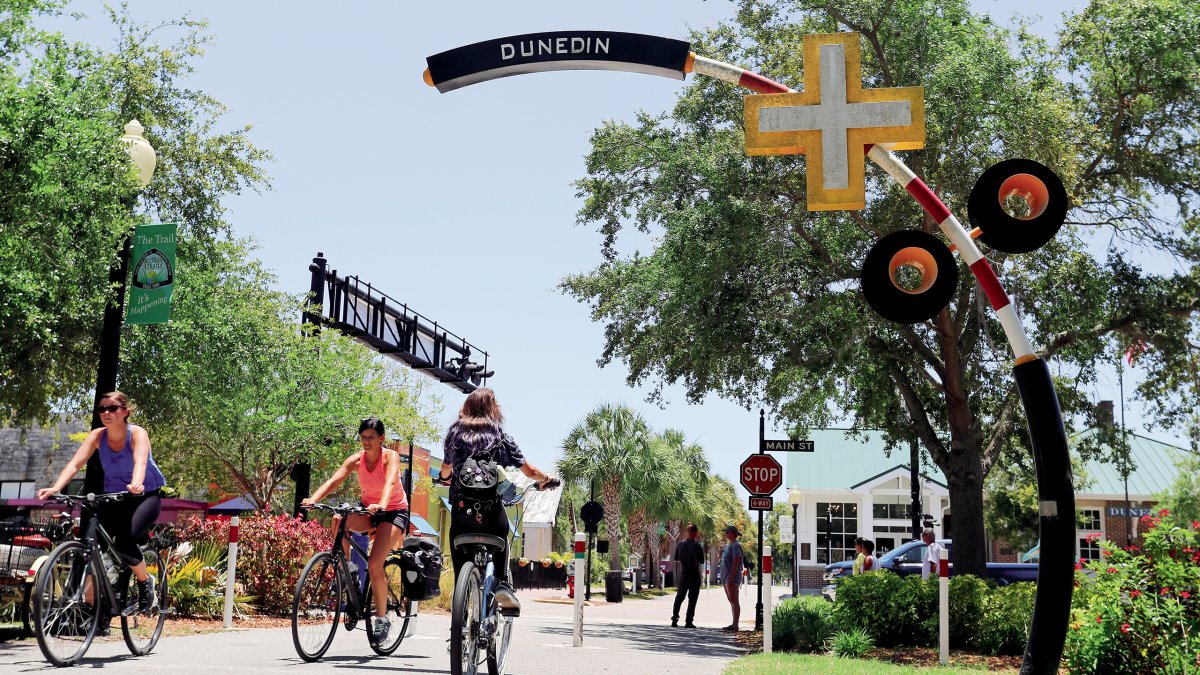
(396, 518)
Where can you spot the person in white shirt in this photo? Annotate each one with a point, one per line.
(933, 554)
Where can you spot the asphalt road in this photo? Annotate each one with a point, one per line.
(630, 637)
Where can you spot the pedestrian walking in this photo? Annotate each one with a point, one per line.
(859, 557)
(731, 572)
(868, 547)
(689, 555)
(933, 553)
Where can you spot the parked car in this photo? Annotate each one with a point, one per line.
(906, 559)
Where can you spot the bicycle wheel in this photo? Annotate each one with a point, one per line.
(497, 654)
(317, 607)
(142, 631)
(397, 608)
(63, 621)
(465, 615)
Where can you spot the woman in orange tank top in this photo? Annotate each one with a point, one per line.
(378, 470)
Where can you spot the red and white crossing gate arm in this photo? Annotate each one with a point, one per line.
(962, 241)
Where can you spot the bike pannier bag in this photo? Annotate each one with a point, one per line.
(421, 563)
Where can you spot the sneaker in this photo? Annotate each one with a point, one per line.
(689, 625)
(674, 623)
(507, 599)
(379, 629)
(147, 596)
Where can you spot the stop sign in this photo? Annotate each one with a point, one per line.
(761, 474)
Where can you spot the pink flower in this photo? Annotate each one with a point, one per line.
(1125, 628)
(1078, 565)
(1099, 619)
(1196, 524)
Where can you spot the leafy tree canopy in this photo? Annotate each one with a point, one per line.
(748, 295)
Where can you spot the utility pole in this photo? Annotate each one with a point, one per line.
(914, 484)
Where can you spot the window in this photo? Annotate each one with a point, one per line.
(837, 527)
(1089, 519)
(890, 511)
(883, 545)
(1089, 549)
(17, 489)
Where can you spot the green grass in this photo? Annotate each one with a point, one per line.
(815, 663)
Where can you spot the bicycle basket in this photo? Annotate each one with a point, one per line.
(421, 562)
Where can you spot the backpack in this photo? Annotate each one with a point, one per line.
(475, 495)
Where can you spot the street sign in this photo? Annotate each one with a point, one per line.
(761, 503)
(761, 474)
(591, 514)
(786, 445)
(787, 532)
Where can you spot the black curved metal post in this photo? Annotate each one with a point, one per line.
(1056, 503)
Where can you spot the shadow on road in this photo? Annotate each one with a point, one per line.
(690, 642)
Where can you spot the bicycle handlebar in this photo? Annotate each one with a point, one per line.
(344, 509)
(91, 498)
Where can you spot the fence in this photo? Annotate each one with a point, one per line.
(534, 575)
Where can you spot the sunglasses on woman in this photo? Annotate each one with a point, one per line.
(108, 408)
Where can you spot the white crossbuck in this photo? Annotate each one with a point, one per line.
(833, 116)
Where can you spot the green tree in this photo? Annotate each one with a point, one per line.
(610, 445)
(1182, 499)
(67, 188)
(233, 387)
(749, 296)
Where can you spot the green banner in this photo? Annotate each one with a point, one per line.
(153, 260)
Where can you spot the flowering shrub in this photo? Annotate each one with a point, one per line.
(272, 550)
(1135, 610)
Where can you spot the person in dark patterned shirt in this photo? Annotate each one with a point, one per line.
(479, 430)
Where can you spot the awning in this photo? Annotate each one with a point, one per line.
(423, 526)
(1035, 552)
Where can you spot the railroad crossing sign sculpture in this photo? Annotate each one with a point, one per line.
(835, 122)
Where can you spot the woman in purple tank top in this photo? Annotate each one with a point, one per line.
(128, 467)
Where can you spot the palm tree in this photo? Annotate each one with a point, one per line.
(650, 494)
(691, 505)
(609, 444)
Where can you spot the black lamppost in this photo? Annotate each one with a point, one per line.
(795, 496)
(144, 158)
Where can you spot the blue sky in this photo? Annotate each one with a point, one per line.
(459, 204)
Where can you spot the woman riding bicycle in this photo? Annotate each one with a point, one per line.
(129, 466)
(478, 430)
(383, 495)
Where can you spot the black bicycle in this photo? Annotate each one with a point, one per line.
(84, 580)
(477, 623)
(328, 589)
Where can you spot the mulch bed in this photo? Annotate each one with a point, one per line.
(926, 657)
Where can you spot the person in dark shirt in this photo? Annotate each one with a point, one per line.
(478, 430)
(689, 556)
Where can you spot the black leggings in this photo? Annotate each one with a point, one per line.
(129, 523)
(497, 525)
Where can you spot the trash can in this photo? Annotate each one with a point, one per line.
(614, 586)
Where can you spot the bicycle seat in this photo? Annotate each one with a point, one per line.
(485, 539)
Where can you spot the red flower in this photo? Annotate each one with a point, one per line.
(1196, 524)
(1112, 570)
(1185, 595)
(1125, 628)
(1106, 553)
(1099, 619)
(1134, 593)
(1165, 591)
(1164, 512)
(1078, 565)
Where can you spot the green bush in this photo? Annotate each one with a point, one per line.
(1004, 619)
(1136, 611)
(802, 624)
(851, 644)
(196, 576)
(892, 609)
(967, 594)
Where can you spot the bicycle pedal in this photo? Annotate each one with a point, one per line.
(514, 612)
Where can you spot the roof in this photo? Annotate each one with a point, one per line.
(234, 506)
(840, 461)
(540, 507)
(1155, 472)
(423, 525)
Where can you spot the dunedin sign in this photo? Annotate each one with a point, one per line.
(559, 50)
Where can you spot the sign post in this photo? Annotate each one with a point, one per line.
(761, 475)
(766, 569)
(580, 572)
(944, 607)
(231, 570)
(591, 514)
